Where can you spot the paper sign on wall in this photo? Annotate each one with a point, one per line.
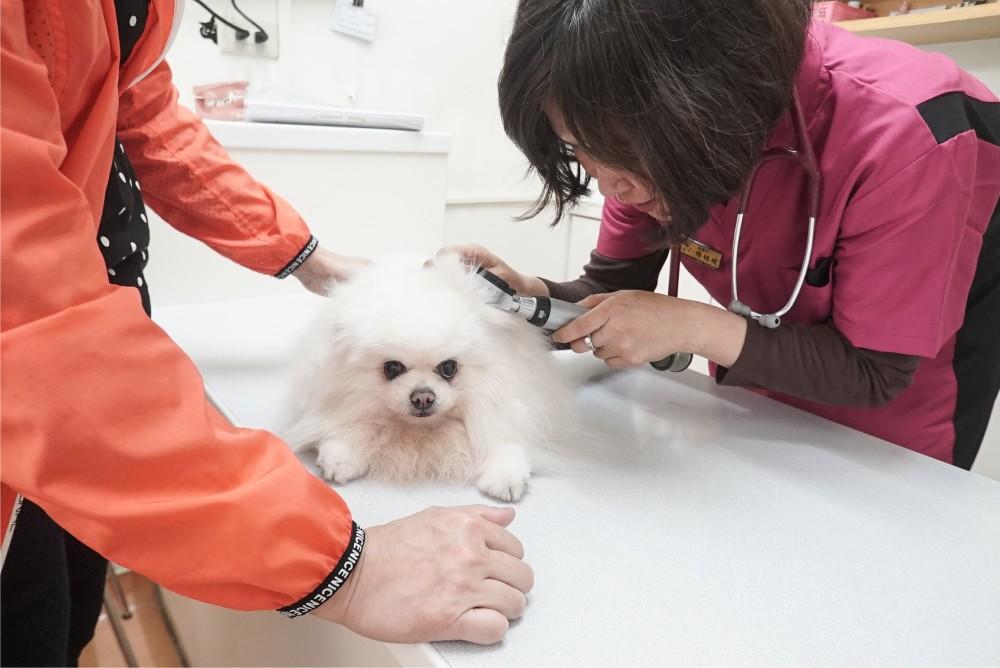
(351, 18)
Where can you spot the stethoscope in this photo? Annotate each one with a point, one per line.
(806, 159)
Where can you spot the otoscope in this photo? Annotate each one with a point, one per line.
(552, 314)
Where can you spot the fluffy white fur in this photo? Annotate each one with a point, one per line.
(506, 405)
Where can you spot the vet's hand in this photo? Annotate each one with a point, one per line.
(631, 328)
(323, 269)
(442, 574)
(529, 286)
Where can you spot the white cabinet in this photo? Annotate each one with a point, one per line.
(531, 246)
(362, 192)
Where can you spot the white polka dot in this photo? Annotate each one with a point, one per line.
(105, 242)
(133, 246)
(111, 271)
(143, 216)
(143, 255)
(139, 281)
(122, 177)
(132, 21)
(137, 185)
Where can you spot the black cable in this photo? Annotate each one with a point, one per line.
(261, 35)
(209, 29)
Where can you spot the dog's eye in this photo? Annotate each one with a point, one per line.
(447, 369)
(392, 369)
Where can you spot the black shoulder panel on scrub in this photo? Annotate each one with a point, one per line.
(951, 114)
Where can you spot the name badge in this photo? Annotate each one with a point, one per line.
(701, 253)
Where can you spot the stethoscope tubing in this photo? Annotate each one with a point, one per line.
(806, 159)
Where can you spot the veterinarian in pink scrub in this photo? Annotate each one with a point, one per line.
(890, 322)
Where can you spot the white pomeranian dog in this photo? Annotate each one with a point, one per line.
(412, 376)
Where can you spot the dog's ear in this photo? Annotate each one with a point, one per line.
(450, 257)
(451, 269)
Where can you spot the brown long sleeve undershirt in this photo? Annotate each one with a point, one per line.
(817, 362)
(814, 362)
(603, 274)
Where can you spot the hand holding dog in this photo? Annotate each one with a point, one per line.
(323, 269)
(528, 286)
(441, 574)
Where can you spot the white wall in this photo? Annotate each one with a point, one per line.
(980, 58)
(441, 58)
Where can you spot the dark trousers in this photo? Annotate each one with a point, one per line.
(51, 592)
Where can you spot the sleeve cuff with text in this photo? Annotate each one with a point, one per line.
(297, 261)
(333, 582)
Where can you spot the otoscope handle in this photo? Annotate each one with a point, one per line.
(553, 314)
(677, 362)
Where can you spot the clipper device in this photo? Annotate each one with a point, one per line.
(552, 314)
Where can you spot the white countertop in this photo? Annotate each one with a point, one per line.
(289, 137)
(712, 526)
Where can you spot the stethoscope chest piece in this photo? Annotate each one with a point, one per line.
(769, 320)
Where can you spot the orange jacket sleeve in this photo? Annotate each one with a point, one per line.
(190, 180)
(104, 420)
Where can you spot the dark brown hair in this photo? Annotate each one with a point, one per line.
(682, 93)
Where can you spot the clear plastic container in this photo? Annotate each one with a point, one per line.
(834, 10)
(225, 101)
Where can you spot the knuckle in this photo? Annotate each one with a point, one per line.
(496, 629)
(520, 604)
(457, 582)
(467, 525)
(518, 545)
(468, 556)
(501, 629)
(438, 617)
(475, 557)
(529, 579)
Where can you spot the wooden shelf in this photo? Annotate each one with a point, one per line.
(951, 25)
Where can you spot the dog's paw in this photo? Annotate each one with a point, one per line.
(340, 462)
(504, 477)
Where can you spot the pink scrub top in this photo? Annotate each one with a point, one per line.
(907, 145)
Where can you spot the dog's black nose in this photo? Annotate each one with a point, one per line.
(422, 398)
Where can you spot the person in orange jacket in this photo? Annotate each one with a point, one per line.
(109, 447)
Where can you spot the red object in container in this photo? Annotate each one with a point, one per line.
(222, 101)
(833, 10)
